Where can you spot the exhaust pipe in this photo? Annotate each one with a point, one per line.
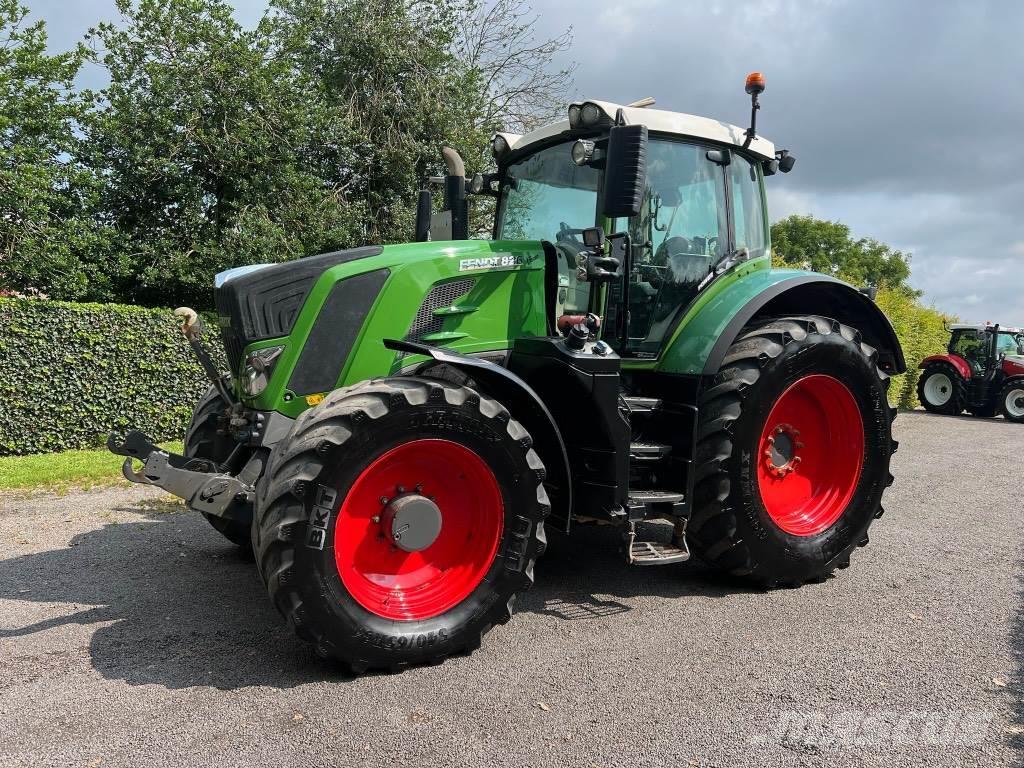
(455, 193)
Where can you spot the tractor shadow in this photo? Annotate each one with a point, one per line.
(168, 602)
(172, 604)
(585, 576)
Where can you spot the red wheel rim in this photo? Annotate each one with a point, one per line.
(810, 455)
(407, 586)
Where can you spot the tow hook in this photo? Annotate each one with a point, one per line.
(198, 481)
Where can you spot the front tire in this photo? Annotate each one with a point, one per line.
(941, 390)
(1011, 402)
(793, 452)
(399, 520)
(205, 439)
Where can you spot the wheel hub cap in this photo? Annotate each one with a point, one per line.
(811, 452)
(413, 522)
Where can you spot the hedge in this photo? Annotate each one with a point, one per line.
(72, 373)
(921, 331)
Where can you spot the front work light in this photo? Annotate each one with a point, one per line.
(256, 372)
(582, 151)
(591, 114)
(499, 146)
(574, 115)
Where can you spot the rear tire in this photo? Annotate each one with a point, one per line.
(941, 389)
(323, 539)
(1011, 401)
(205, 440)
(751, 517)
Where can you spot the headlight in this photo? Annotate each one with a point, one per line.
(256, 371)
(499, 146)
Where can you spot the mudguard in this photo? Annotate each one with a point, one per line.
(529, 410)
(713, 321)
(959, 364)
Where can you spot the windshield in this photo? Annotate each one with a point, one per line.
(1010, 344)
(546, 196)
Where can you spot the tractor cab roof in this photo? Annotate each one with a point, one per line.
(984, 327)
(657, 121)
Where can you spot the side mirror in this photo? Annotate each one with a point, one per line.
(625, 173)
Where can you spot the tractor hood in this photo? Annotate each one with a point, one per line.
(327, 315)
(1013, 365)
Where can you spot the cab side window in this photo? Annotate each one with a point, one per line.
(747, 206)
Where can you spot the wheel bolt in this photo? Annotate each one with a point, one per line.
(768, 455)
(383, 499)
(375, 519)
(770, 441)
(797, 460)
(401, 489)
(419, 488)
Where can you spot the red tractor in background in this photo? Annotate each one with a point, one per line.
(982, 372)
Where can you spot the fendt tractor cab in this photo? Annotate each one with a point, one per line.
(402, 426)
(982, 372)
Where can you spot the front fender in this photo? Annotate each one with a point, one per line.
(528, 409)
(959, 364)
(715, 319)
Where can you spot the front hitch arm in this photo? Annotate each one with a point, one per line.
(192, 328)
(197, 481)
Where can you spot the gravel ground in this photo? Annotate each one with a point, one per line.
(130, 634)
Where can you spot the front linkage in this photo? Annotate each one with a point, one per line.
(197, 481)
(205, 486)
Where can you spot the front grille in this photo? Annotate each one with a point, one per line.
(443, 295)
(265, 303)
(233, 345)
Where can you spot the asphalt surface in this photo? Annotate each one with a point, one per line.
(132, 635)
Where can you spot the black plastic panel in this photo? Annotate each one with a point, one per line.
(265, 303)
(334, 332)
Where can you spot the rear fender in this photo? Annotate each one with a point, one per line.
(528, 409)
(714, 321)
(960, 365)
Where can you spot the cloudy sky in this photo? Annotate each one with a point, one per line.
(904, 114)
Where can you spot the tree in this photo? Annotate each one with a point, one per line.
(45, 230)
(827, 246)
(202, 139)
(519, 83)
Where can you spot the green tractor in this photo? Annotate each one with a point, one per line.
(403, 426)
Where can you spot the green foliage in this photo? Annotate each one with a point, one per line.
(47, 237)
(75, 372)
(921, 331)
(216, 146)
(826, 246)
(804, 242)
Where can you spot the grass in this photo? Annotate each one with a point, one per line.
(59, 471)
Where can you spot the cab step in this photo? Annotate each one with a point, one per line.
(657, 553)
(647, 552)
(648, 451)
(658, 503)
(639, 404)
